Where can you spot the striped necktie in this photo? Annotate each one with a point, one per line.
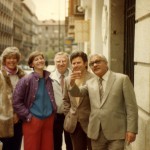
(101, 90)
(62, 81)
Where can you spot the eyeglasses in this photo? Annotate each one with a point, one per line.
(97, 62)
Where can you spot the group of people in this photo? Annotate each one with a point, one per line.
(82, 100)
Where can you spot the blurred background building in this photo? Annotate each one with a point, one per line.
(6, 23)
(20, 27)
(51, 36)
(17, 23)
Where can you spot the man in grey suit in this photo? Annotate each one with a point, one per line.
(113, 119)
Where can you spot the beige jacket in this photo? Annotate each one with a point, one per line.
(77, 107)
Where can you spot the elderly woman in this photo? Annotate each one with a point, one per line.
(10, 125)
(34, 102)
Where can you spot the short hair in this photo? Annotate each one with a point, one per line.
(81, 54)
(61, 54)
(32, 56)
(102, 57)
(8, 52)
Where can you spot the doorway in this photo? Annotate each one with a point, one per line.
(129, 38)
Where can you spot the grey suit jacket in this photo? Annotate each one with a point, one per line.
(81, 111)
(118, 111)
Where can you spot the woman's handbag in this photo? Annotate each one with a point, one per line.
(70, 122)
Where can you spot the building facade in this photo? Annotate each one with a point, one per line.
(26, 30)
(6, 24)
(35, 27)
(142, 71)
(74, 14)
(17, 23)
(51, 35)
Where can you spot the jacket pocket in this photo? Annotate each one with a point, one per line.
(70, 122)
(6, 126)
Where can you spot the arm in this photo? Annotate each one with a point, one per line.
(74, 90)
(19, 100)
(131, 109)
(66, 99)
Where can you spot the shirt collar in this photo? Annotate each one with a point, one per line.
(9, 73)
(45, 74)
(65, 74)
(106, 75)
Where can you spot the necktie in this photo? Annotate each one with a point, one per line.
(101, 90)
(62, 81)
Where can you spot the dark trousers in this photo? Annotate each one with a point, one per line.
(80, 140)
(13, 143)
(58, 133)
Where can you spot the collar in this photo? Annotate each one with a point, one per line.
(65, 74)
(10, 72)
(106, 75)
(45, 74)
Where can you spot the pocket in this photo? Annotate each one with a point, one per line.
(70, 122)
(6, 126)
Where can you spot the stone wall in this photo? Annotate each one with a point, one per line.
(142, 73)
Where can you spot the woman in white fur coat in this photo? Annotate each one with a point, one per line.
(10, 125)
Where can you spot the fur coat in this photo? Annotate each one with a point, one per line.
(6, 109)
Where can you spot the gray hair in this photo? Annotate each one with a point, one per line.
(61, 54)
(102, 57)
(8, 52)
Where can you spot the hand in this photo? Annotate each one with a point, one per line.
(74, 75)
(130, 137)
(15, 118)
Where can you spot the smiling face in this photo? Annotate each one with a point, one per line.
(78, 64)
(11, 62)
(38, 63)
(98, 65)
(61, 63)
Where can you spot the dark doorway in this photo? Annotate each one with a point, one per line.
(129, 38)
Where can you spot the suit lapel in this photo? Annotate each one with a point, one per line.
(93, 87)
(109, 85)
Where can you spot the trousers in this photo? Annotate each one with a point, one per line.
(58, 133)
(38, 134)
(13, 143)
(80, 140)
